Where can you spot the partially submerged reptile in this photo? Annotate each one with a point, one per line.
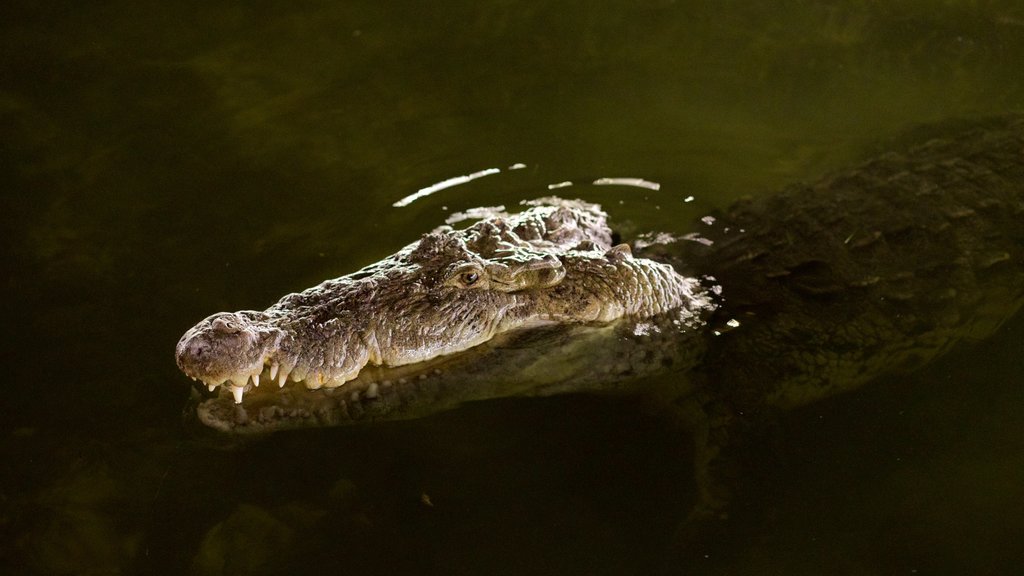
(450, 291)
(780, 301)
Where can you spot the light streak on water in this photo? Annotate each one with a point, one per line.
(444, 184)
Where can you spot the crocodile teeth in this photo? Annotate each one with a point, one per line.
(282, 377)
(273, 371)
(237, 392)
(212, 387)
(256, 379)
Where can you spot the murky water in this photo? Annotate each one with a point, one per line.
(160, 162)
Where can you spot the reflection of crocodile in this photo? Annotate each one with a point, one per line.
(821, 288)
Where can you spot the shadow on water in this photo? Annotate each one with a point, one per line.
(161, 162)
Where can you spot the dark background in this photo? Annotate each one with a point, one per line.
(162, 161)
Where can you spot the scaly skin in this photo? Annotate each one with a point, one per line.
(448, 292)
(875, 269)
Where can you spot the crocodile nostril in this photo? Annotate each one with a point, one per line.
(224, 326)
(197, 348)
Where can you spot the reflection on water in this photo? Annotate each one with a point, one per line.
(446, 183)
(164, 161)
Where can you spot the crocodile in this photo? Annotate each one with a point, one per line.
(877, 268)
(772, 303)
(447, 292)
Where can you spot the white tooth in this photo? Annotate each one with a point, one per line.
(371, 391)
(237, 391)
(282, 377)
(256, 379)
(211, 387)
(273, 371)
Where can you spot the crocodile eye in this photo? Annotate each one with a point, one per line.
(469, 275)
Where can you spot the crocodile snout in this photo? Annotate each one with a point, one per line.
(228, 348)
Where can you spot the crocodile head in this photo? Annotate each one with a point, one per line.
(436, 297)
(450, 291)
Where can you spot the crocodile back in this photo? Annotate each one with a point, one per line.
(879, 268)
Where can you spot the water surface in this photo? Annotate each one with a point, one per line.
(162, 161)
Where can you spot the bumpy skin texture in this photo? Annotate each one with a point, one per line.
(448, 292)
(877, 269)
(880, 267)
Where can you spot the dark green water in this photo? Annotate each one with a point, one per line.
(163, 161)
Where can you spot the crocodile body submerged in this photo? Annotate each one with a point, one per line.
(780, 301)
